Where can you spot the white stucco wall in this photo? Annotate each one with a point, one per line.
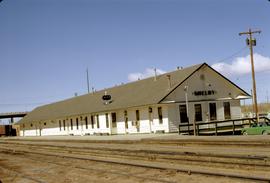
(170, 112)
(144, 124)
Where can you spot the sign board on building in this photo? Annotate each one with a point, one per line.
(204, 92)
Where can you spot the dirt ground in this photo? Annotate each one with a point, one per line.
(27, 168)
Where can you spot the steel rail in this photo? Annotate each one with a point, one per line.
(146, 165)
(118, 149)
(86, 168)
(176, 142)
(246, 162)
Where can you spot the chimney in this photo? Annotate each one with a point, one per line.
(155, 70)
(169, 81)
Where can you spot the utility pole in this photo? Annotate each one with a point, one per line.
(87, 81)
(252, 42)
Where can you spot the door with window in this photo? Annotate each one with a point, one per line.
(212, 111)
(137, 122)
(114, 124)
(198, 112)
(126, 121)
(183, 114)
(150, 116)
(227, 110)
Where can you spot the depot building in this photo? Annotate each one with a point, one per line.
(157, 104)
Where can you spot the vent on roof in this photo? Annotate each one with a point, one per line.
(169, 81)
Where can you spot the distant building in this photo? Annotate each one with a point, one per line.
(146, 106)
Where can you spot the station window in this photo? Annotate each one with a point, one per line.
(183, 113)
(77, 123)
(137, 115)
(113, 119)
(71, 124)
(86, 122)
(198, 112)
(60, 125)
(160, 116)
(97, 118)
(64, 124)
(107, 120)
(227, 110)
(213, 111)
(92, 121)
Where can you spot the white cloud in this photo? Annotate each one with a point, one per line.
(147, 73)
(241, 65)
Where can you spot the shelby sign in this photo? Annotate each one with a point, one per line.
(106, 98)
(204, 92)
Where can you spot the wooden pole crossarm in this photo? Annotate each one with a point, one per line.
(250, 32)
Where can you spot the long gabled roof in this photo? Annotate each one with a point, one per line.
(139, 93)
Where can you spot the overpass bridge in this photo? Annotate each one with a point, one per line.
(12, 115)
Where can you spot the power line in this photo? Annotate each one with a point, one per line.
(234, 54)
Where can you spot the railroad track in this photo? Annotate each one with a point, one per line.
(177, 142)
(118, 172)
(224, 160)
(16, 174)
(225, 165)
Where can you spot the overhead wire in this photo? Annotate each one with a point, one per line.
(233, 55)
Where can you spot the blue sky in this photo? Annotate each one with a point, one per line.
(46, 45)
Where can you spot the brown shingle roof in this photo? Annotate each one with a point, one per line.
(138, 93)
